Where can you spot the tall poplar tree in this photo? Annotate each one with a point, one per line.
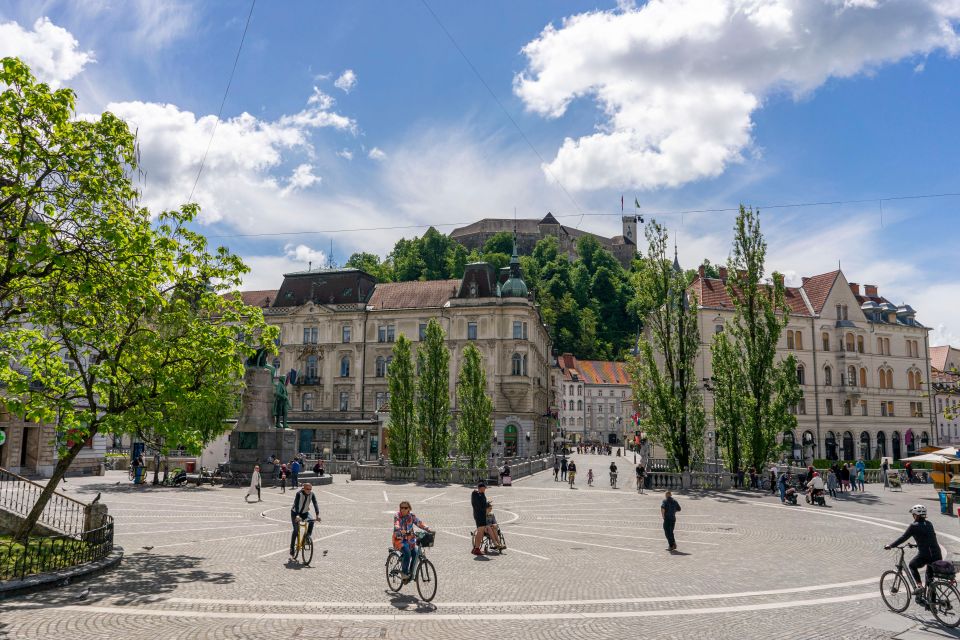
(402, 435)
(758, 391)
(475, 422)
(433, 397)
(664, 371)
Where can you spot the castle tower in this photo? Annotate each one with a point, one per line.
(630, 228)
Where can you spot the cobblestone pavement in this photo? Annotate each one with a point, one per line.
(586, 562)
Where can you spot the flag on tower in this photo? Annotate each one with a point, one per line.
(636, 203)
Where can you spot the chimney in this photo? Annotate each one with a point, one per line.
(701, 271)
(723, 273)
(855, 287)
(870, 290)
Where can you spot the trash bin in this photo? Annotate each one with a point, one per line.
(946, 502)
(190, 465)
(138, 476)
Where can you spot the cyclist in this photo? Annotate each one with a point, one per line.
(405, 538)
(301, 511)
(928, 549)
(641, 477)
(613, 475)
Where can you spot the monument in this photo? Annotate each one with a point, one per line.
(262, 429)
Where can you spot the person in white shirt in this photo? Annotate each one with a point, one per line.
(254, 483)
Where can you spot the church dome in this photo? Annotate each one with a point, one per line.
(514, 287)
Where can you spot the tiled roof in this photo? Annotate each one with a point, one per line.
(818, 288)
(259, 298)
(944, 376)
(413, 295)
(593, 371)
(938, 357)
(712, 294)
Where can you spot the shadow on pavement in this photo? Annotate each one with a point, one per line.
(403, 603)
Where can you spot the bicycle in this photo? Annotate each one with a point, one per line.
(304, 546)
(640, 481)
(423, 572)
(613, 480)
(897, 586)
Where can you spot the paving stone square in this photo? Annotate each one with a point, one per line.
(582, 562)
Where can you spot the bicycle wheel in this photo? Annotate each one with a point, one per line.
(394, 582)
(426, 580)
(306, 552)
(895, 591)
(946, 605)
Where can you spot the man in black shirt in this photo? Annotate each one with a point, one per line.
(300, 510)
(668, 510)
(928, 549)
(478, 500)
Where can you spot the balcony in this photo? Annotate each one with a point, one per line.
(308, 381)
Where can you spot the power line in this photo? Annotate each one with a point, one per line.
(493, 95)
(581, 215)
(223, 101)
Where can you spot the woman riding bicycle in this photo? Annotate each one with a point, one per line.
(928, 549)
(405, 538)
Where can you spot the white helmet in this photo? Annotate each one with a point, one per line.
(919, 510)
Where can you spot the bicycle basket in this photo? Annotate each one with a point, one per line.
(426, 539)
(943, 569)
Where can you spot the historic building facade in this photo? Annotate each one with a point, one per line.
(593, 400)
(863, 368)
(337, 331)
(529, 231)
(945, 376)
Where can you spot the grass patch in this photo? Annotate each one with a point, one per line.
(39, 555)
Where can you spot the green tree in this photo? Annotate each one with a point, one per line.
(664, 372)
(474, 424)
(500, 242)
(728, 385)
(370, 263)
(433, 396)
(761, 391)
(402, 435)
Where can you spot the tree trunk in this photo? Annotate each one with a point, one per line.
(58, 472)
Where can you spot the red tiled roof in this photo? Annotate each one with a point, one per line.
(936, 375)
(593, 371)
(938, 357)
(712, 294)
(260, 298)
(818, 288)
(413, 295)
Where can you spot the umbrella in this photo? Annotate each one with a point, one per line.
(935, 458)
(948, 451)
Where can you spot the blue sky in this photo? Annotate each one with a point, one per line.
(364, 114)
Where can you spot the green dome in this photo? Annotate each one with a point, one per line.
(513, 288)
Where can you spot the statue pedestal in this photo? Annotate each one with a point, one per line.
(255, 438)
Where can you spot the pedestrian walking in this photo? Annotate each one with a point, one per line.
(641, 478)
(739, 479)
(668, 511)
(254, 483)
(844, 478)
(773, 479)
(563, 469)
(860, 478)
(572, 472)
(781, 486)
(295, 473)
(283, 478)
(832, 483)
(883, 472)
(556, 470)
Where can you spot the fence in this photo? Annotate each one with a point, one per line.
(62, 515)
(448, 475)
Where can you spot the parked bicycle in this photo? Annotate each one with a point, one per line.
(423, 571)
(897, 586)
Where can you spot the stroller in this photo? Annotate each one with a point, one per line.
(179, 477)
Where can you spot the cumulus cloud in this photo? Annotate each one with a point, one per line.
(52, 52)
(347, 81)
(377, 154)
(678, 81)
(240, 162)
(346, 154)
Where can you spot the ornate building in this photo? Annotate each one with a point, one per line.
(337, 329)
(594, 400)
(945, 375)
(529, 231)
(863, 368)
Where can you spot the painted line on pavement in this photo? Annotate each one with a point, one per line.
(560, 521)
(406, 617)
(434, 496)
(608, 535)
(577, 542)
(335, 495)
(287, 549)
(220, 528)
(385, 498)
(514, 549)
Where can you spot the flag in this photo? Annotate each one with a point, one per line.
(636, 203)
(621, 202)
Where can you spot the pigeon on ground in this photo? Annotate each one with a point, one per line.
(148, 548)
(117, 482)
(324, 552)
(83, 594)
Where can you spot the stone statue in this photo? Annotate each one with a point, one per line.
(281, 402)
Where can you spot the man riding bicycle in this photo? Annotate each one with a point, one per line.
(928, 549)
(301, 511)
(613, 474)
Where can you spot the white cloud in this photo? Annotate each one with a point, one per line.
(377, 154)
(347, 81)
(678, 81)
(345, 154)
(301, 178)
(158, 23)
(241, 160)
(919, 68)
(52, 52)
(303, 253)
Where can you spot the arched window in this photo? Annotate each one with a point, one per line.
(850, 344)
(790, 342)
(883, 378)
(909, 440)
(345, 366)
(895, 445)
(924, 439)
(827, 375)
(848, 452)
(889, 378)
(798, 339)
(579, 422)
(563, 421)
(831, 445)
(571, 389)
(825, 339)
(864, 445)
(579, 405)
(306, 402)
(863, 377)
(381, 367)
(801, 378)
(852, 375)
(788, 442)
(881, 444)
(516, 365)
(579, 391)
(859, 344)
(880, 345)
(570, 405)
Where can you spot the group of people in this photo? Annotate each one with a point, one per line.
(291, 471)
(564, 471)
(597, 449)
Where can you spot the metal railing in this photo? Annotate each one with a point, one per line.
(62, 513)
(43, 554)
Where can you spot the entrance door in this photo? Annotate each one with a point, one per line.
(306, 441)
(895, 444)
(847, 445)
(510, 434)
